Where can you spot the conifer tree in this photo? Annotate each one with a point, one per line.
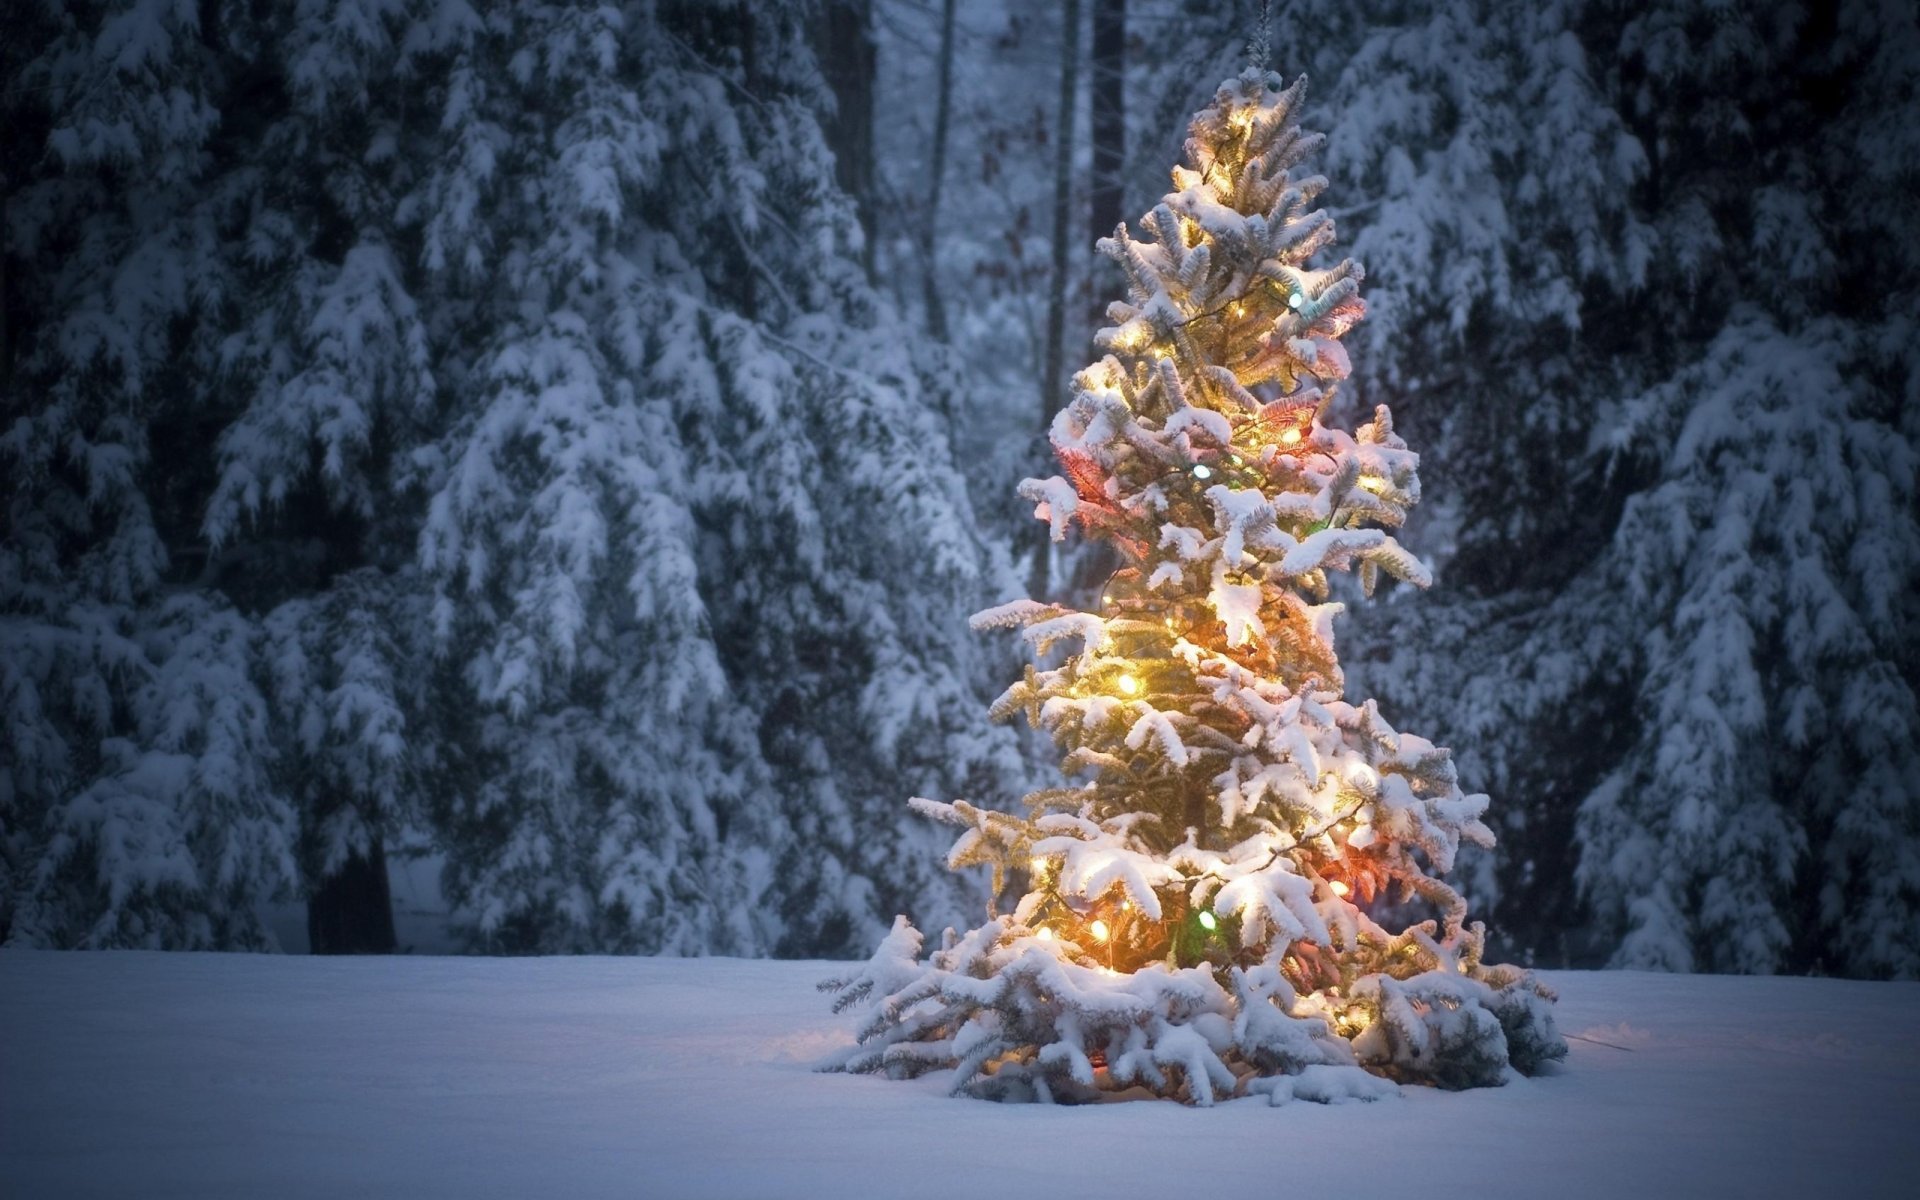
(1238, 890)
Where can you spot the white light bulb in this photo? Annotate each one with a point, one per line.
(1202, 471)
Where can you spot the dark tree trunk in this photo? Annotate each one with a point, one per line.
(937, 172)
(844, 42)
(1108, 127)
(352, 910)
(6, 348)
(1057, 292)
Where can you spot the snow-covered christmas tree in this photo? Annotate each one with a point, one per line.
(1208, 901)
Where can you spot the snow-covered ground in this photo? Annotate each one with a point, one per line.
(152, 1075)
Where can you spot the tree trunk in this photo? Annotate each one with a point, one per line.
(1107, 129)
(6, 348)
(937, 171)
(844, 42)
(1057, 296)
(352, 910)
(1108, 92)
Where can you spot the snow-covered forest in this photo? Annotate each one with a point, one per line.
(561, 445)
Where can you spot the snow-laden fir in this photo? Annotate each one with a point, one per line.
(470, 427)
(1238, 886)
(1643, 284)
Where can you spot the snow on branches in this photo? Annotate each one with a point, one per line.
(1207, 902)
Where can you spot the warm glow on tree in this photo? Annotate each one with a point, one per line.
(1224, 835)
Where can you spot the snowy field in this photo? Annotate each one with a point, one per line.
(156, 1075)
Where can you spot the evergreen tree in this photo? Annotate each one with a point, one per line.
(1207, 907)
(1715, 376)
(463, 426)
(654, 540)
(1764, 815)
(1621, 228)
(136, 787)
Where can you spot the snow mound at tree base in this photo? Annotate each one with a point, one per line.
(1012, 1016)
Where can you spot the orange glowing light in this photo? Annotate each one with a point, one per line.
(1290, 437)
(1339, 888)
(1099, 931)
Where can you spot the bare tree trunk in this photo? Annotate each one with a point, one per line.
(937, 171)
(1108, 92)
(1107, 89)
(6, 348)
(843, 39)
(352, 910)
(1057, 292)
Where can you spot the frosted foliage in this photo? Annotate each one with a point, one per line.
(136, 792)
(665, 543)
(1676, 611)
(1198, 911)
(1454, 228)
(500, 384)
(349, 345)
(1772, 521)
(340, 684)
(175, 838)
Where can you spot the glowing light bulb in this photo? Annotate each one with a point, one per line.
(1296, 300)
(1290, 438)
(1039, 866)
(1373, 483)
(1045, 935)
(1099, 931)
(1129, 685)
(1339, 888)
(1202, 471)
(1126, 906)
(1207, 921)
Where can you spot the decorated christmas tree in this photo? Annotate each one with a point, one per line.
(1237, 891)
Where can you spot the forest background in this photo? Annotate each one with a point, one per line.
(553, 450)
